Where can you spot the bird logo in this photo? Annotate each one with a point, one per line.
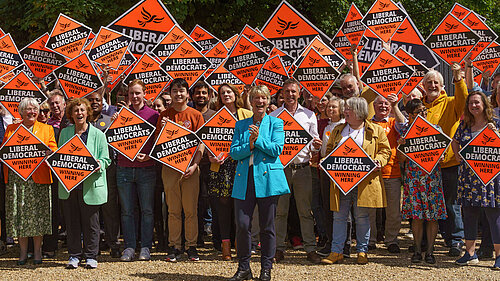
(244, 48)
(21, 139)
(176, 38)
(104, 37)
(124, 119)
(487, 139)
(285, 25)
(146, 65)
(21, 83)
(420, 130)
(223, 121)
(42, 44)
(80, 64)
(287, 123)
(147, 18)
(459, 14)
(4, 45)
(74, 148)
(472, 23)
(384, 62)
(354, 14)
(218, 52)
(450, 26)
(198, 36)
(274, 66)
(348, 150)
(251, 36)
(185, 52)
(171, 133)
(401, 30)
(382, 5)
(64, 26)
(313, 61)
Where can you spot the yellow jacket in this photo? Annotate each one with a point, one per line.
(371, 191)
(446, 112)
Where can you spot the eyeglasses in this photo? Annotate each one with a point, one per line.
(45, 110)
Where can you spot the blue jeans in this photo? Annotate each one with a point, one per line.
(452, 228)
(136, 185)
(340, 218)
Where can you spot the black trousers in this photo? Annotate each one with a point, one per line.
(111, 210)
(81, 217)
(243, 214)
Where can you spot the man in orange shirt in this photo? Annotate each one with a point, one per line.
(391, 175)
(182, 191)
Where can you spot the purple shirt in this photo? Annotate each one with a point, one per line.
(151, 116)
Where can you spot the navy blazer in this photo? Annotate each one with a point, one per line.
(268, 173)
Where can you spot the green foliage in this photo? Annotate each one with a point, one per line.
(27, 20)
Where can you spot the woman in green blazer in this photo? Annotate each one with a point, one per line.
(81, 206)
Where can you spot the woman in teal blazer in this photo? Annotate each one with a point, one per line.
(81, 205)
(259, 180)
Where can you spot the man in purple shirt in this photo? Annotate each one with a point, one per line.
(136, 180)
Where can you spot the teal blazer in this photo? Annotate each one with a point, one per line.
(268, 173)
(95, 188)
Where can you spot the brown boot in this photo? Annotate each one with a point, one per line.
(226, 250)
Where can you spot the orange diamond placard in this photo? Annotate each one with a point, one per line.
(9, 55)
(149, 71)
(220, 75)
(296, 137)
(175, 147)
(68, 37)
(273, 75)
(217, 133)
(186, 62)
(204, 38)
(171, 41)
(109, 47)
(72, 163)
(384, 18)
(245, 60)
(18, 88)
(424, 144)
(128, 133)
(40, 60)
(347, 165)
(482, 154)
(78, 77)
(23, 152)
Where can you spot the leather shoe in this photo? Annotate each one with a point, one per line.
(241, 275)
(265, 274)
(279, 256)
(313, 257)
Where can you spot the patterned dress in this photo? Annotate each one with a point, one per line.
(471, 192)
(221, 182)
(422, 193)
(27, 206)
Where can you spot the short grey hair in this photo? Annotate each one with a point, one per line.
(27, 102)
(260, 90)
(432, 74)
(359, 106)
(347, 76)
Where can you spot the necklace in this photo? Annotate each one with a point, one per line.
(357, 134)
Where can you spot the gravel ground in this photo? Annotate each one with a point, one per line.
(381, 266)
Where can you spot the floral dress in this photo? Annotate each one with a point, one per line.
(471, 192)
(27, 206)
(422, 193)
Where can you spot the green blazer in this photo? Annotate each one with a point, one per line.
(95, 188)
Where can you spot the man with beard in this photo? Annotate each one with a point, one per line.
(110, 210)
(201, 95)
(446, 111)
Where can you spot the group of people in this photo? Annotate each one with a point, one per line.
(249, 195)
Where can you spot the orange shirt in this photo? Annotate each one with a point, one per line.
(190, 118)
(391, 170)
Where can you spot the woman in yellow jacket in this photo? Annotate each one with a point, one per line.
(370, 193)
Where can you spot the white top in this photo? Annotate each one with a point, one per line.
(357, 135)
(326, 134)
(307, 119)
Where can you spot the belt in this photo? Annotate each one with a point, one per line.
(298, 166)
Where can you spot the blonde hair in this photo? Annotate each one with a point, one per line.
(260, 90)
